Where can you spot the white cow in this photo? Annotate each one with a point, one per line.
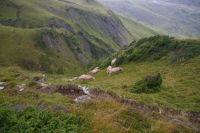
(73, 79)
(111, 70)
(113, 61)
(86, 77)
(95, 70)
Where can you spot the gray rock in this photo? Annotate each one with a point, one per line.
(42, 80)
(1, 88)
(21, 87)
(82, 99)
(1, 83)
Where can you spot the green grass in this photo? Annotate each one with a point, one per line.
(20, 47)
(138, 30)
(180, 83)
(179, 91)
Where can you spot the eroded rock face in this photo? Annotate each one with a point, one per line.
(58, 23)
(111, 27)
(82, 99)
(70, 90)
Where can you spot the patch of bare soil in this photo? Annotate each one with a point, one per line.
(71, 91)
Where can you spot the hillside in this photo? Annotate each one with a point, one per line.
(175, 108)
(178, 18)
(138, 30)
(176, 60)
(57, 73)
(58, 35)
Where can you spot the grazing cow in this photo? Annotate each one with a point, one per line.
(111, 70)
(113, 61)
(86, 77)
(95, 70)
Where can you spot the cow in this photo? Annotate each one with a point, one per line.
(113, 61)
(86, 77)
(111, 70)
(95, 70)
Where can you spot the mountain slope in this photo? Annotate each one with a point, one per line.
(175, 108)
(52, 33)
(138, 30)
(174, 17)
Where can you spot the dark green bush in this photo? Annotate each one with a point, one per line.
(32, 120)
(28, 64)
(33, 84)
(150, 84)
(46, 63)
(157, 47)
(11, 84)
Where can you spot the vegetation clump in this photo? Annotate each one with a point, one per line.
(34, 120)
(156, 47)
(150, 84)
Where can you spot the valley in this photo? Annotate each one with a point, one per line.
(178, 18)
(78, 66)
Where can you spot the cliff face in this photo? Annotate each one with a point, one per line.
(107, 26)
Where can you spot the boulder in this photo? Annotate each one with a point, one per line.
(1, 88)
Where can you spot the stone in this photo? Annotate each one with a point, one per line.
(21, 87)
(1, 88)
(82, 99)
(1, 83)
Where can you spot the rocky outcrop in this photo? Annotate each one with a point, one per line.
(109, 26)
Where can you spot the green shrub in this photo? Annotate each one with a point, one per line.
(150, 84)
(157, 47)
(46, 63)
(11, 84)
(33, 84)
(28, 64)
(32, 120)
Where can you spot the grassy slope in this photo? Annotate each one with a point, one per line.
(180, 91)
(138, 30)
(35, 19)
(176, 60)
(107, 116)
(19, 47)
(177, 20)
(180, 83)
